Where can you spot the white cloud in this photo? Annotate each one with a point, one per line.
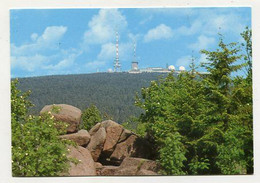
(228, 23)
(187, 31)
(203, 58)
(108, 51)
(43, 55)
(28, 63)
(203, 42)
(34, 36)
(160, 32)
(67, 57)
(48, 40)
(103, 26)
(52, 35)
(134, 37)
(95, 64)
(210, 22)
(146, 20)
(184, 61)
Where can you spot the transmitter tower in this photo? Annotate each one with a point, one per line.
(117, 64)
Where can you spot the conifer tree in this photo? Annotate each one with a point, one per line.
(90, 117)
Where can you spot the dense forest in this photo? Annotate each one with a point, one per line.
(112, 93)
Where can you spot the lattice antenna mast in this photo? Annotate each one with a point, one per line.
(134, 52)
(117, 65)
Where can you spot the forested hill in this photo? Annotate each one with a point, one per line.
(112, 93)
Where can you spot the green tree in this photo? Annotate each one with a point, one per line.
(36, 147)
(173, 113)
(202, 124)
(228, 97)
(247, 45)
(90, 117)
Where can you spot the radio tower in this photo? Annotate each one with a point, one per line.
(134, 52)
(117, 65)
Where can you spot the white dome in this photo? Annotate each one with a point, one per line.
(109, 70)
(171, 67)
(181, 68)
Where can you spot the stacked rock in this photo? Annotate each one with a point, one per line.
(107, 149)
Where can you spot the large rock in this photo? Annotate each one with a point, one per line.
(94, 129)
(133, 146)
(137, 166)
(86, 165)
(82, 137)
(108, 170)
(133, 170)
(108, 123)
(96, 143)
(123, 149)
(99, 167)
(113, 131)
(141, 163)
(65, 113)
(125, 134)
(146, 172)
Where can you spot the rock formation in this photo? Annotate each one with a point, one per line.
(86, 164)
(82, 137)
(132, 166)
(65, 113)
(107, 149)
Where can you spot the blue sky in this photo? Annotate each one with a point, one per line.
(74, 41)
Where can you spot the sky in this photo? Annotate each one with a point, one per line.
(77, 41)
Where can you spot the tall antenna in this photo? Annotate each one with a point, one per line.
(134, 62)
(117, 65)
(134, 52)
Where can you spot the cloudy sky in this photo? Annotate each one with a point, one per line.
(73, 41)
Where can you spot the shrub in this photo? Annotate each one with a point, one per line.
(36, 147)
(90, 117)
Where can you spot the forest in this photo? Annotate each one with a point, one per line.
(112, 93)
(198, 124)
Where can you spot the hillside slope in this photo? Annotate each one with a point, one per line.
(112, 93)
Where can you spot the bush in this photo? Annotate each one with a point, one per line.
(90, 117)
(36, 147)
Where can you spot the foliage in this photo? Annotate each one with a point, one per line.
(247, 36)
(172, 155)
(133, 124)
(36, 147)
(55, 109)
(19, 102)
(202, 124)
(90, 117)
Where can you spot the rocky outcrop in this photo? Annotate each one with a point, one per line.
(146, 172)
(94, 129)
(133, 146)
(108, 170)
(119, 143)
(86, 164)
(125, 134)
(107, 149)
(82, 137)
(113, 131)
(141, 163)
(96, 143)
(65, 113)
(132, 167)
